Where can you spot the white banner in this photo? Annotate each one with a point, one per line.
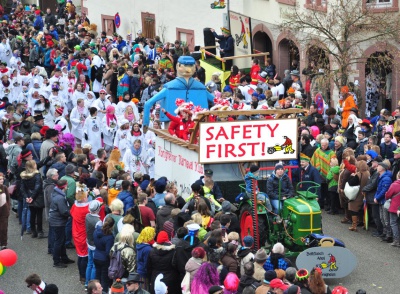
(241, 33)
(178, 164)
(253, 140)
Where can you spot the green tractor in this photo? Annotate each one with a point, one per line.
(297, 225)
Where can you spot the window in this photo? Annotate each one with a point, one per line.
(383, 5)
(316, 4)
(287, 2)
(380, 3)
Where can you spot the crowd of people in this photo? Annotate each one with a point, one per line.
(75, 152)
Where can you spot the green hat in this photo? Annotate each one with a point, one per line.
(92, 44)
(77, 47)
(19, 38)
(225, 30)
(94, 51)
(304, 157)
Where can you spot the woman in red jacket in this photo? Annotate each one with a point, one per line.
(181, 124)
(394, 194)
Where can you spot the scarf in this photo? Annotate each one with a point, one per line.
(136, 134)
(136, 152)
(109, 116)
(10, 135)
(130, 116)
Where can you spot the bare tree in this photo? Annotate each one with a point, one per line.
(343, 29)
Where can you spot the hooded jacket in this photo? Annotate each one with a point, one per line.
(103, 244)
(48, 187)
(31, 187)
(12, 152)
(384, 182)
(127, 198)
(245, 255)
(184, 253)
(273, 187)
(394, 194)
(142, 255)
(160, 262)
(59, 209)
(192, 266)
(371, 186)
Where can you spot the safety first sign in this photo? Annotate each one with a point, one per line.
(253, 140)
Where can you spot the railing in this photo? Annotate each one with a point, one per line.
(270, 168)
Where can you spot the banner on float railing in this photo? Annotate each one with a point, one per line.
(250, 140)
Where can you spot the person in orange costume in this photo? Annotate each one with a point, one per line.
(347, 104)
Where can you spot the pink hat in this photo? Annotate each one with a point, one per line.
(314, 131)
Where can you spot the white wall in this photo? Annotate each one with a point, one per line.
(192, 15)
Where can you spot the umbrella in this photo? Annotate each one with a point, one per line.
(365, 214)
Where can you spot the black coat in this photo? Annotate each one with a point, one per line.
(31, 187)
(273, 187)
(371, 186)
(160, 262)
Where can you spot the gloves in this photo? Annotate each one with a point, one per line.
(86, 137)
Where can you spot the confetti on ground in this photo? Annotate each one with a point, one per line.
(373, 285)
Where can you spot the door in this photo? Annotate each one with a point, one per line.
(108, 24)
(148, 25)
(186, 37)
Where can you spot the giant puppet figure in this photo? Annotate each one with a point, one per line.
(184, 87)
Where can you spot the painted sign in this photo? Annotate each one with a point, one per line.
(117, 20)
(178, 164)
(334, 262)
(254, 140)
(241, 32)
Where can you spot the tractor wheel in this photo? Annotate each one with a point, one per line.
(271, 150)
(212, 5)
(246, 224)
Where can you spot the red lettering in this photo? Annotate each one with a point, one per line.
(253, 149)
(209, 150)
(208, 131)
(234, 131)
(219, 150)
(242, 150)
(245, 131)
(259, 130)
(229, 150)
(221, 133)
(272, 130)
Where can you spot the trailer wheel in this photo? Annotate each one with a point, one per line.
(271, 150)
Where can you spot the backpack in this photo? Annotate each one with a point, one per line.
(116, 269)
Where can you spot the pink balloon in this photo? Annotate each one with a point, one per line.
(8, 257)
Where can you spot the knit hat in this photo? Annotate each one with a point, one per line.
(335, 121)
(304, 157)
(162, 237)
(278, 248)
(94, 206)
(340, 139)
(225, 31)
(340, 290)
(25, 153)
(372, 153)
(160, 287)
(60, 110)
(160, 185)
(269, 275)
(278, 283)
(254, 168)
(260, 255)
(248, 241)
(278, 166)
(226, 206)
(198, 252)
(262, 97)
(302, 275)
(117, 287)
(69, 169)
(144, 185)
(293, 289)
(214, 289)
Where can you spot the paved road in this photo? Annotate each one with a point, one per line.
(376, 272)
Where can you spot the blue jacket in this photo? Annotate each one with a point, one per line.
(159, 199)
(123, 86)
(384, 182)
(127, 198)
(59, 209)
(103, 244)
(39, 22)
(387, 151)
(121, 45)
(47, 57)
(60, 167)
(54, 33)
(310, 174)
(273, 187)
(248, 179)
(34, 147)
(142, 253)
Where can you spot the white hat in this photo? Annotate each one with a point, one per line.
(139, 32)
(217, 73)
(356, 83)
(193, 227)
(297, 94)
(87, 146)
(123, 121)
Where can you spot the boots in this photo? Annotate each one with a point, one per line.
(353, 227)
(34, 234)
(346, 219)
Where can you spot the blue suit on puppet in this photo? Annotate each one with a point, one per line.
(184, 87)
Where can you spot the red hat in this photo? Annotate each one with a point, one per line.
(340, 290)
(25, 155)
(162, 237)
(50, 43)
(37, 12)
(60, 110)
(103, 91)
(137, 49)
(277, 283)
(43, 130)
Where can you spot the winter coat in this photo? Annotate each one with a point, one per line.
(184, 253)
(127, 198)
(163, 214)
(231, 263)
(103, 244)
(310, 174)
(5, 209)
(387, 151)
(332, 178)
(12, 153)
(59, 209)
(48, 187)
(60, 167)
(142, 255)
(128, 256)
(286, 187)
(192, 266)
(363, 176)
(160, 262)
(394, 194)
(308, 150)
(276, 261)
(246, 281)
(370, 188)
(31, 187)
(245, 255)
(259, 272)
(384, 182)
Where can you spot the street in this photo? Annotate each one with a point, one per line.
(378, 262)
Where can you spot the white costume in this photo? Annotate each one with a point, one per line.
(101, 105)
(136, 161)
(89, 102)
(5, 52)
(76, 96)
(120, 109)
(122, 140)
(47, 115)
(92, 129)
(16, 63)
(109, 131)
(5, 90)
(97, 61)
(63, 123)
(57, 102)
(150, 161)
(77, 121)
